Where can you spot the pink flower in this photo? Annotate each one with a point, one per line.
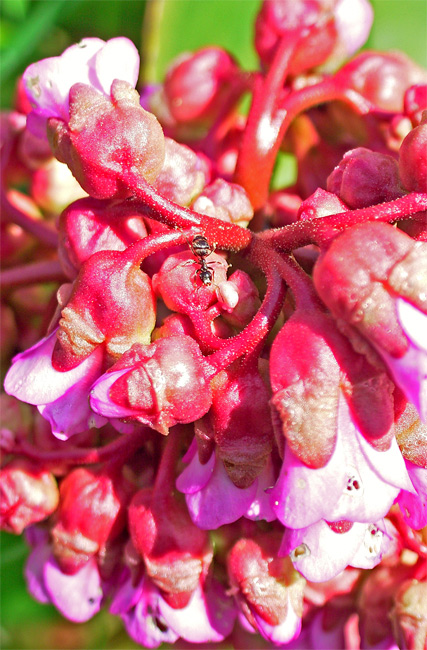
(212, 498)
(358, 483)
(61, 397)
(92, 61)
(78, 597)
(321, 551)
(150, 621)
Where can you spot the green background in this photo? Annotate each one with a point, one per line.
(34, 29)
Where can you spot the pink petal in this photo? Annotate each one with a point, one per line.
(118, 59)
(302, 495)
(126, 596)
(144, 623)
(32, 378)
(260, 507)
(414, 506)
(410, 370)
(286, 631)
(219, 502)
(322, 553)
(100, 401)
(33, 572)
(78, 597)
(374, 545)
(195, 476)
(208, 617)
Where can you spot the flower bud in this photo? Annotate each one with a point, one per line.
(413, 159)
(106, 138)
(279, 19)
(409, 616)
(180, 286)
(176, 553)
(53, 187)
(109, 284)
(248, 299)
(320, 204)
(268, 589)
(184, 173)
(92, 511)
(416, 102)
(225, 201)
(382, 78)
(28, 494)
(91, 225)
(364, 178)
(196, 85)
(159, 385)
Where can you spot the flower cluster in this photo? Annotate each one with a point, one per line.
(215, 424)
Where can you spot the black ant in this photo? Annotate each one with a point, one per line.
(201, 249)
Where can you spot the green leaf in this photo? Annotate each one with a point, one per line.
(172, 27)
(37, 25)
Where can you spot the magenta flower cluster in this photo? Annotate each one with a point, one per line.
(215, 424)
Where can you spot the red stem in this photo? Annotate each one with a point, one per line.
(268, 122)
(35, 273)
(76, 456)
(320, 231)
(36, 227)
(220, 234)
(258, 329)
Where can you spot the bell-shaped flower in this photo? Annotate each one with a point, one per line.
(92, 61)
(225, 201)
(322, 550)
(180, 286)
(159, 385)
(311, 366)
(176, 553)
(374, 277)
(208, 617)
(338, 29)
(78, 597)
(212, 498)
(61, 397)
(266, 587)
(358, 483)
(364, 178)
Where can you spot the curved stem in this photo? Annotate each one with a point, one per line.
(36, 227)
(320, 231)
(202, 322)
(32, 274)
(220, 234)
(262, 141)
(151, 244)
(125, 443)
(258, 329)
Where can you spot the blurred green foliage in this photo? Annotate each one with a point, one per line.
(35, 29)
